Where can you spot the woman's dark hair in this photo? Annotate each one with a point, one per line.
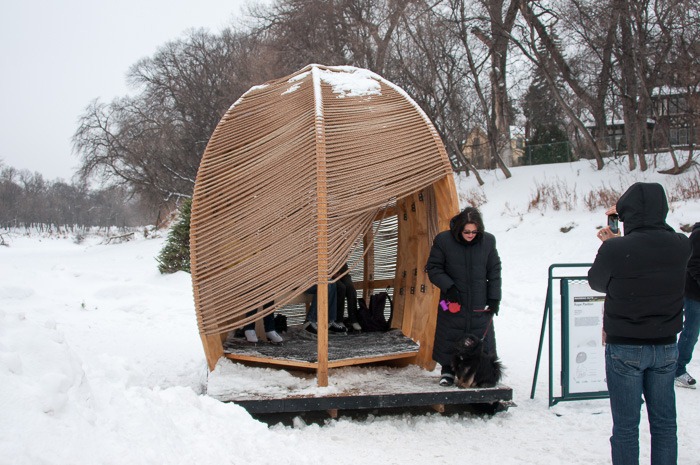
(468, 215)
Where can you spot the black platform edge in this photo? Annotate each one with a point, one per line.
(380, 401)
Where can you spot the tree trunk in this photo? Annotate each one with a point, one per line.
(468, 163)
(595, 104)
(628, 84)
(501, 26)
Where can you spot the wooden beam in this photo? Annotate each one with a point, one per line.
(322, 335)
(368, 281)
(447, 205)
(213, 349)
(390, 211)
(440, 396)
(366, 360)
(439, 408)
(322, 233)
(407, 263)
(376, 284)
(423, 314)
(279, 362)
(401, 276)
(271, 361)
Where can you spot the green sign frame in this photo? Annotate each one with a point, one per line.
(564, 273)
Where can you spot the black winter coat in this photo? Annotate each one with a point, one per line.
(692, 277)
(475, 269)
(642, 273)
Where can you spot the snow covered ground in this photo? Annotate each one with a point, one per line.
(101, 361)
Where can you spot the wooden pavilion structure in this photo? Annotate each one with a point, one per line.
(299, 177)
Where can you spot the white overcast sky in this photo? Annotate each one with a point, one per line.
(59, 55)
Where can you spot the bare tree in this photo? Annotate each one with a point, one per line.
(153, 142)
(681, 75)
(335, 32)
(424, 63)
(29, 201)
(652, 34)
(592, 25)
(490, 23)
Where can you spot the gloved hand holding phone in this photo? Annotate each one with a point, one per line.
(613, 227)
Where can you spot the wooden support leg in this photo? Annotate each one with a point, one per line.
(213, 349)
(439, 408)
(322, 334)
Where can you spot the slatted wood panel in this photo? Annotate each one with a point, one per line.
(291, 183)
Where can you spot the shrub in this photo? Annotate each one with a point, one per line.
(604, 197)
(475, 198)
(175, 255)
(685, 189)
(556, 195)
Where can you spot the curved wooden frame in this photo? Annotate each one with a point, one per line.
(359, 148)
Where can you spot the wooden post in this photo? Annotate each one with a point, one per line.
(439, 408)
(322, 236)
(368, 265)
(402, 275)
(423, 313)
(213, 349)
(447, 207)
(407, 263)
(446, 201)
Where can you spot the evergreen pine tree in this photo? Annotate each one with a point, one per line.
(547, 141)
(175, 256)
(548, 145)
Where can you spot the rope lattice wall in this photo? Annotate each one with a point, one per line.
(255, 215)
(385, 233)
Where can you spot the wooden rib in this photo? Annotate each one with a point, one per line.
(322, 236)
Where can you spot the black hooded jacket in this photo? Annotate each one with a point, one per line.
(474, 268)
(692, 277)
(642, 273)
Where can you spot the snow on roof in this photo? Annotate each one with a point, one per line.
(346, 81)
(252, 89)
(351, 82)
(672, 90)
(517, 131)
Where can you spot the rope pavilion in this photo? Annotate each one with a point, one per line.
(326, 166)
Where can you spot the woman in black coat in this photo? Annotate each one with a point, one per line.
(465, 265)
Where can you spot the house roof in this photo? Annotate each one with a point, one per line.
(671, 90)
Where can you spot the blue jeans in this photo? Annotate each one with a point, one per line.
(634, 371)
(268, 322)
(689, 335)
(332, 303)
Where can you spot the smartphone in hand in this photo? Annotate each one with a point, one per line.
(614, 223)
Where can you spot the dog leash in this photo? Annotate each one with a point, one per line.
(448, 306)
(488, 325)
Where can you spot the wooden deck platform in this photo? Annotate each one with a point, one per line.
(264, 390)
(299, 349)
(437, 398)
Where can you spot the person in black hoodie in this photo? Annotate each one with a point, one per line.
(642, 275)
(465, 265)
(691, 313)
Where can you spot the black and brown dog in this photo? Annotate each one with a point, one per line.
(473, 367)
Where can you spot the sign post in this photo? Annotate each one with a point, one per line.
(582, 349)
